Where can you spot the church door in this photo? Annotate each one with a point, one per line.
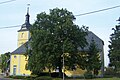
(14, 69)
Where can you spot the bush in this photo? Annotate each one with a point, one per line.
(109, 71)
(88, 75)
(32, 77)
(41, 73)
(55, 74)
(29, 79)
(44, 74)
(43, 78)
(17, 77)
(57, 79)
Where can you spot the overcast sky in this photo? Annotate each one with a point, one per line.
(13, 13)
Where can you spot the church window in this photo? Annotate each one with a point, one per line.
(15, 56)
(22, 35)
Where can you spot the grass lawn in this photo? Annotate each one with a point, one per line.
(107, 79)
(97, 79)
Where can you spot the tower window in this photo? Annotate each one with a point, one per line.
(22, 35)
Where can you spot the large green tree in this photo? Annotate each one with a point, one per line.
(53, 36)
(114, 52)
(93, 62)
(5, 61)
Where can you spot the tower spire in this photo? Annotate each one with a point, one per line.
(28, 5)
(26, 25)
(27, 15)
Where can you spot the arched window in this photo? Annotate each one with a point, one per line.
(22, 35)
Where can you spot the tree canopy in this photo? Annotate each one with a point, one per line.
(5, 62)
(93, 62)
(114, 52)
(53, 35)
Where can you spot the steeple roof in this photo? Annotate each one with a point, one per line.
(26, 25)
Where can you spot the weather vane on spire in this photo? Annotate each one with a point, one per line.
(27, 15)
(28, 5)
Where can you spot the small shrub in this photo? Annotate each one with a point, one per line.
(17, 77)
(108, 76)
(29, 79)
(109, 71)
(88, 75)
(9, 76)
(44, 74)
(43, 78)
(55, 74)
(57, 79)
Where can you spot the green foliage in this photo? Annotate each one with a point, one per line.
(88, 75)
(28, 79)
(43, 74)
(109, 71)
(43, 78)
(54, 74)
(17, 77)
(92, 59)
(113, 78)
(114, 52)
(32, 77)
(5, 61)
(52, 35)
(57, 79)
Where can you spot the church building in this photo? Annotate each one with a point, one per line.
(17, 59)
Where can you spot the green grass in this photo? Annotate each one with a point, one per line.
(97, 79)
(114, 78)
(107, 79)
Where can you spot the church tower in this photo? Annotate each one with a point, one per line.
(23, 33)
